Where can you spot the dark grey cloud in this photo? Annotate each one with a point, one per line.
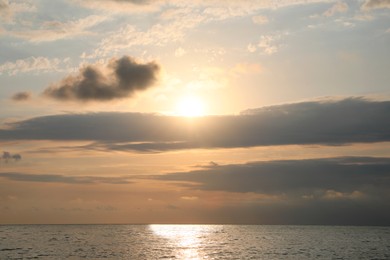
(376, 4)
(352, 120)
(21, 96)
(7, 156)
(119, 79)
(337, 191)
(304, 177)
(55, 178)
(132, 127)
(309, 212)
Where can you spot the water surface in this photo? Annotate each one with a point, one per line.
(193, 242)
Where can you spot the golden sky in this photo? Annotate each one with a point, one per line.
(176, 111)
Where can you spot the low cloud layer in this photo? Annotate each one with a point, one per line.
(337, 191)
(329, 178)
(120, 78)
(340, 191)
(56, 178)
(346, 121)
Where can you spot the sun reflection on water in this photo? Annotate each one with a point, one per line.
(187, 239)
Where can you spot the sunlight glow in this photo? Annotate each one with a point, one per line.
(185, 238)
(190, 106)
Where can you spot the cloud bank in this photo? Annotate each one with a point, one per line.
(329, 178)
(352, 120)
(338, 191)
(119, 79)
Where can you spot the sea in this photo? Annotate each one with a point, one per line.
(193, 242)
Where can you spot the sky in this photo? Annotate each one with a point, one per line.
(176, 111)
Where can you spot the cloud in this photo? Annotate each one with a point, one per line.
(212, 164)
(118, 6)
(189, 198)
(7, 156)
(268, 44)
(334, 122)
(56, 30)
(339, 7)
(376, 4)
(365, 212)
(55, 178)
(342, 190)
(21, 96)
(179, 52)
(221, 7)
(177, 17)
(260, 19)
(120, 78)
(251, 47)
(363, 17)
(33, 64)
(342, 177)
(159, 34)
(8, 10)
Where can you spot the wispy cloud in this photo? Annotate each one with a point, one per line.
(339, 7)
(260, 19)
(8, 9)
(376, 4)
(56, 178)
(120, 6)
(34, 65)
(177, 17)
(219, 6)
(268, 44)
(56, 30)
(159, 34)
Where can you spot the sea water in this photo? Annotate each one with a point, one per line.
(193, 242)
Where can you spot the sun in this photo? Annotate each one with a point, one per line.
(190, 106)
